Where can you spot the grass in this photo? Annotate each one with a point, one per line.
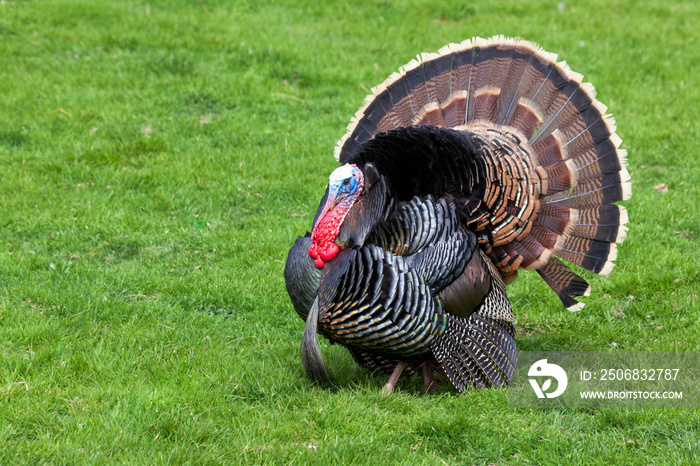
(157, 160)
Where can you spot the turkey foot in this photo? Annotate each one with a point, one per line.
(389, 387)
(430, 381)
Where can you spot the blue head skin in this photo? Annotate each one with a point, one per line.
(344, 187)
(343, 184)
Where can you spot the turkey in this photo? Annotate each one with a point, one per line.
(459, 170)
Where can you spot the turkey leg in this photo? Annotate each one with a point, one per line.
(389, 387)
(430, 381)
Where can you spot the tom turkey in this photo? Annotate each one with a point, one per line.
(459, 170)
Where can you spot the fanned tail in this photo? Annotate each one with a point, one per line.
(555, 161)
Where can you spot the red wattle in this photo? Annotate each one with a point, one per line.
(330, 252)
(325, 231)
(313, 251)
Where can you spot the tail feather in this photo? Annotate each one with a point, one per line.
(454, 112)
(556, 218)
(518, 75)
(609, 161)
(546, 237)
(565, 283)
(437, 73)
(586, 132)
(485, 103)
(575, 166)
(525, 119)
(595, 192)
(549, 150)
(559, 177)
(572, 108)
(603, 223)
(590, 254)
(485, 56)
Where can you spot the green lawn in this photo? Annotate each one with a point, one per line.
(157, 161)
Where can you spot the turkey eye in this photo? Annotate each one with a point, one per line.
(346, 182)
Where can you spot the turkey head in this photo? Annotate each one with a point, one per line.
(355, 201)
